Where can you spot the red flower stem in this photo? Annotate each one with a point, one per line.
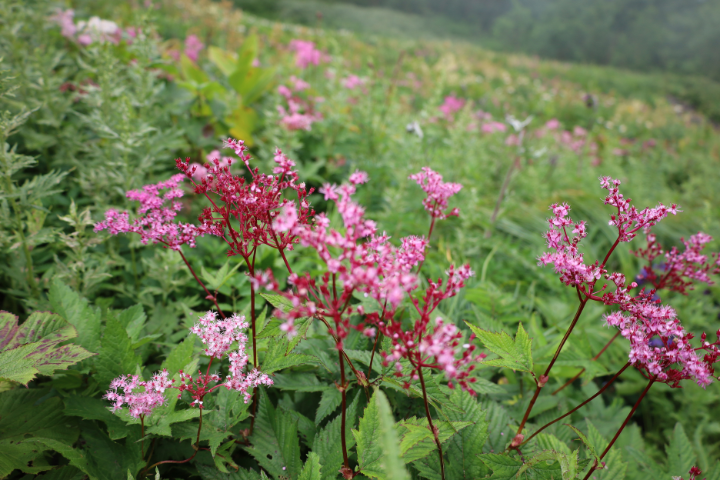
(282, 254)
(432, 226)
(251, 270)
(372, 355)
(552, 362)
(430, 423)
(593, 359)
(202, 284)
(622, 427)
(605, 387)
(343, 387)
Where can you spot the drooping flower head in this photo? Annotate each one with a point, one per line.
(438, 193)
(156, 222)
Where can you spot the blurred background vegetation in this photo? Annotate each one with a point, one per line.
(678, 40)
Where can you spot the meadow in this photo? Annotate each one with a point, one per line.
(232, 248)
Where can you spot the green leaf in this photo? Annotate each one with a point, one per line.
(615, 468)
(503, 467)
(116, 354)
(568, 463)
(464, 447)
(21, 455)
(680, 452)
(33, 347)
(96, 409)
(222, 59)
(133, 320)
(591, 449)
(312, 469)
(329, 401)
(278, 301)
(275, 444)
(514, 354)
(378, 447)
(191, 71)
(76, 310)
(211, 473)
(76, 457)
(328, 441)
(277, 358)
(105, 458)
(34, 412)
(180, 356)
(417, 440)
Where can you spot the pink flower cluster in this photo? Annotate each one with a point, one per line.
(352, 82)
(438, 193)
(193, 47)
(640, 318)
(678, 270)
(451, 105)
(306, 54)
(218, 335)
(243, 212)
(156, 225)
(140, 403)
(492, 127)
(200, 171)
(94, 30)
(300, 113)
(359, 261)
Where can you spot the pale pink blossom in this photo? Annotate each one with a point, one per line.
(124, 391)
(438, 192)
(193, 47)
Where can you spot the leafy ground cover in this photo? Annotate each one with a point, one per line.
(328, 354)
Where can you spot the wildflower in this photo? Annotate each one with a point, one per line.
(437, 192)
(123, 391)
(299, 114)
(552, 124)
(193, 47)
(306, 54)
(97, 30)
(157, 224)
(451, 105)
(64, 18)
(492, 127)
(352, 82)
(218, 335)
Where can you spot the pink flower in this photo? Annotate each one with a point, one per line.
(352, 82)
(156, 225)
(193, 47)
(358, 177)
(297, 121)
(512, 140)
(140, 403)
(64, 18)
(492, 127)
(437, 192)
(552, 124)
(451, 105)
(306, 54)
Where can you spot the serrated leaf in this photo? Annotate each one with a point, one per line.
(615, 468)
(133, 319)
(329, 401)
(550, 442)
(211, 473)
(277, 358)
(591, 449)
(33, 347)
(463, 448)
(96, 409)
(680, 452)
(417, 440)
(503, 467)
(568, 463)
(76, 310)
(35, 412)
(377, 442)
(180, 356)
(328, 441)
(116, 354)
(275, 444)
(278, 301)
(311, 470)
(515, 353)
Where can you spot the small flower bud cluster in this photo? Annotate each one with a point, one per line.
(156, 224)
(140, 403)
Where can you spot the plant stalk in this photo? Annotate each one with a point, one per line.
(430, 423)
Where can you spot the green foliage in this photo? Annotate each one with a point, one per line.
(514, 354)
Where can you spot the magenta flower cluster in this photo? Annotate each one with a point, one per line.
(300, 112)
(156, 222)
(124, 391)
(438, 193)
(640, 317)
(306, 54)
